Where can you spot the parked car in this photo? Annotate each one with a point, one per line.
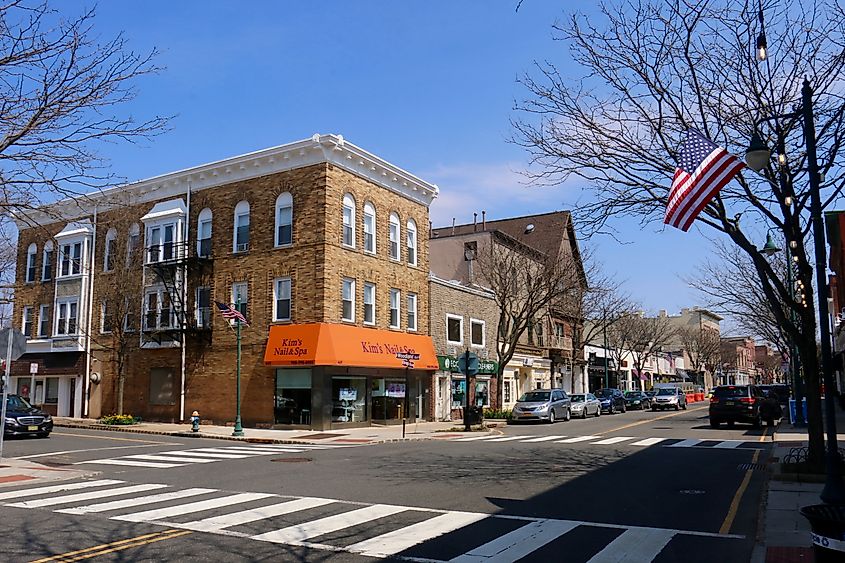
(612, 400)
(779, 391)
(637, 400)
(669, 398)
(584, 404)
(22, 419)
(542, 404)
(742, 403)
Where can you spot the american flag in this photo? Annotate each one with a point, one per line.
(703, 169)
(230, 313)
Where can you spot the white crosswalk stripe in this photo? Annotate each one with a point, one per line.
(729, 444)
(686, 443)
(132, 463)
(543, 439)
(614, 440)
(474, 438)
(608, 441)
(634, 544)
(577, 439)
(649, 442)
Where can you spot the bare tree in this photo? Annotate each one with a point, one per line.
(8, 257)
(702, 347)
(61, 94)
(653, 70)
(639, 338)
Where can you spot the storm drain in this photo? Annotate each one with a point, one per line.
(751, 466)
(291, 460)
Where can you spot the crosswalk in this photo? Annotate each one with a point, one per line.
(368, 529)
(178, 458)
(636, 441)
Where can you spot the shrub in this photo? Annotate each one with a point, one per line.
(119, 419)
(497, 414)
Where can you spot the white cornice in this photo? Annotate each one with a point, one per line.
(332, 149)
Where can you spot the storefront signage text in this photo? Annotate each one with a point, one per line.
(401, 352)
(291, 347)
(450, 363)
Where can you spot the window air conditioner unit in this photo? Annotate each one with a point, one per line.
(243, 247)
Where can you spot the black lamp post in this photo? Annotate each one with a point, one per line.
(757, 156)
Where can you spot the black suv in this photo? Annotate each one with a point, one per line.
(741, 403)
(22, 419)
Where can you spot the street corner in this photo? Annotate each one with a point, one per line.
(19, 471)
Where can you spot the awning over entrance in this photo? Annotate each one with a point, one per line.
(325, 344)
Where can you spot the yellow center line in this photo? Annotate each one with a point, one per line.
(729, 518)
(105, 548)
(109, 438)
(649, 420)
(763, 437)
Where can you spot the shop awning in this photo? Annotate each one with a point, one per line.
(326, 344)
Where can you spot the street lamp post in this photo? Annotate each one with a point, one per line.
(238, 430)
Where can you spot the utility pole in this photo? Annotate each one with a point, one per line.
(238, 431)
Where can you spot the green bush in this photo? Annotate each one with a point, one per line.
(497, 414)
(119, 419)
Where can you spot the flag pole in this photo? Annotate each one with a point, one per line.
(238, 431)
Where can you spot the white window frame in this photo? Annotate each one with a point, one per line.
(483, 324)
(241, 210)
(129, 313)
(74, 262)
(412, 243)
(198, 308)
(133, 242)
(43, 319)
(461, 320)
(395, 238)
(109, 250)
(103, 311)
(26, 319)
(344, 284)
(395, 300)
(48, 251)
(369, 228)
(370, 302)
(160, 243)
(236, 290)
(348, 223)
(31, 257)
(278, 295)
(160, 293)
(205, 218)
(411, 298)
(284, 201)
(58, 324)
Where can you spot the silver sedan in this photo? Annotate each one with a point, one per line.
(585, 404)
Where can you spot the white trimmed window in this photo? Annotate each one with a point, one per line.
(133, 242)
(105, 317)
(71, 261)
(412, 242)
(454, 330)
(240, 239)
(203, 306)
(395, 306)
(348, 221)
(204, 233)
(109, 250)
(67, 311)
(31, 257)
(281, 299)
(240, 291)
(26, 321)
(369, 304)
(394, 235)
(130, 318)
(47, 262)
(158, 310)
(348, 300)
(476, 333)
(369, 228)
(412, 311)
(43, 320)
(284, 219)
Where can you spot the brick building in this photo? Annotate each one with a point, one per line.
(737, 361)
(322, 245)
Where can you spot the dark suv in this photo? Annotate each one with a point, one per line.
(22, 419)
(741, 403)
(612, 400)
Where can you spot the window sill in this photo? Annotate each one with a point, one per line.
(70, 277)
(347, 246)
(282, 321)
(453, 343)
(373, 324)
(349, 321)
(288, 245)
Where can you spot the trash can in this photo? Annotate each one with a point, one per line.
(827, 522)
(792, 410)
(475, 415)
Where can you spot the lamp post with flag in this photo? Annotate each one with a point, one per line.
(234, 313)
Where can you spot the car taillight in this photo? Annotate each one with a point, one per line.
(748, 400)
(714, 400)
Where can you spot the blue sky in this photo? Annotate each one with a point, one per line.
(428, 86)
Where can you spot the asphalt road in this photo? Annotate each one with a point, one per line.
(647, 486)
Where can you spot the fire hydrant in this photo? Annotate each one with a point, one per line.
(195, 421)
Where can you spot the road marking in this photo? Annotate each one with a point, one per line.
(648, 442)
(650, 420)
(163, 457)
(509, 438)
(150, 445)
(543, 439)
(217, 523)
(111, 438)
(685, 443)
(763, 437)
(615, 440)
(517, 544)
(216, 452)
(137, 501)
(729, 518)
(58, 488)
(634, 545)
(577, 439)
(107, 548)
(158, 514)
(474, 438)
(729, 444)
(67, 499)
(399, 540)
(130, 462)
(295, 535)
(248, 451)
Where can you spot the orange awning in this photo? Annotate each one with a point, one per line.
(325, 344)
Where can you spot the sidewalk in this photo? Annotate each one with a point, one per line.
(16, 471)
(783, 534)
(366, 435)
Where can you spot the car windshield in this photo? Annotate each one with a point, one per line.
(577, 398)
(665, 391)
(15, 403)
(632, 395)
(604, 393)
(534, 397)
(650, 392)
(731, 391)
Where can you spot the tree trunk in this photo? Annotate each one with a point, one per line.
(815, 427)
(121, 379)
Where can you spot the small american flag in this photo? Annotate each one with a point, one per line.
(230, 313)
(703, 169)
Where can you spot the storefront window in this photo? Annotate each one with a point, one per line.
(293, 396)
(52, 397)
(459, 387)
(482, 397)
(388, 399)
(349, 399)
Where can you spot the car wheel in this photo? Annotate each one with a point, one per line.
(677, 407)
(552, 416)
(684, 406)
(624, 409)
(584, 413)
(568, 415)
(731, 423)
(714, 423)
(610, 410)
(43, 434)
(598, 412)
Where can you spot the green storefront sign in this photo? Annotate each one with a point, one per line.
(485, 367)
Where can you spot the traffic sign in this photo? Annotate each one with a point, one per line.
(18, 343)
(468, 363)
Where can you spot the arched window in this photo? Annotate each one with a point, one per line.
(204, 233)
(395, 236)
(284, 219)
(369, 228)
(31, 257)
(47, 263)
(412, 242)
(240, 242)
(109, 250)
(349, 220)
